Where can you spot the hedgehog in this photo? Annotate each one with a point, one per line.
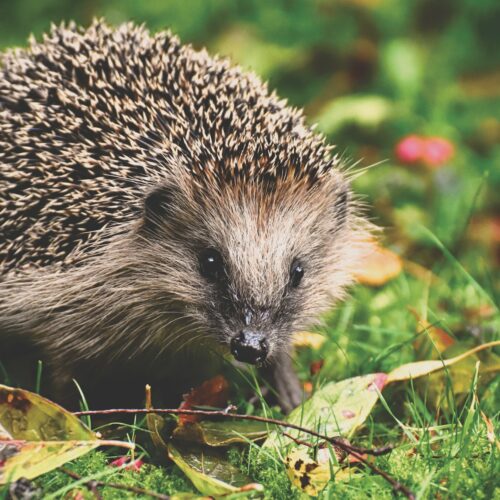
(162, 212)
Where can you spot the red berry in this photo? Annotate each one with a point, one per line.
(410, 149)
(437, 151)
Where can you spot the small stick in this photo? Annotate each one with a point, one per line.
(336, 441)
(93, 485)
(298, 441)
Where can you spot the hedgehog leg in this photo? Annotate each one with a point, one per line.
(285, 382)
(62, 388)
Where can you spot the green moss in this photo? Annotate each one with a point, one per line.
(161, 479)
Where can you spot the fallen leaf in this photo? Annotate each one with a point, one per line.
(213, 392)
(421, 368)
(340, 408)
(457, 376)
(39, 435)
(307, 386)
(337, 409)
(379, 266)
(485, 229)
(221, 433)
(315, 366)
(431, 340)
(311, 475)
(490, 430)
(189, 496)
(480, 312)
(4, 435)
(308, 339)
(23, 489)
(306, 473)
(210, 472)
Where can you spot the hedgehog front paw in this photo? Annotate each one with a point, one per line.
(283, 379)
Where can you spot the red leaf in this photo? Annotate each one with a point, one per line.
(213, 392)
(316, 366)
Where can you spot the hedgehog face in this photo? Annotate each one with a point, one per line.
(252, 266)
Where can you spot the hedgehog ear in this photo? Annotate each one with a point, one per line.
(157, 206)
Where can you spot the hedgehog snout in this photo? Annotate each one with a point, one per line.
(250, 346)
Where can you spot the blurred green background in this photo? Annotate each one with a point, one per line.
(369, 72)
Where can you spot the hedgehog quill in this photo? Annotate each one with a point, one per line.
(161, 210)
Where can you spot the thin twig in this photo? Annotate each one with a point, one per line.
(335, 441)
(92, 485)
(298, 441)
(338, 441)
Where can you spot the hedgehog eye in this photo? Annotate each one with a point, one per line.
(296, 273)
(211, 264)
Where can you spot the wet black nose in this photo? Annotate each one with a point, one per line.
(249, 346)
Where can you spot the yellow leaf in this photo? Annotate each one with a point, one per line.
(308, 339)
(210, 471)
(310, 475)
(421, 368)
(36, 435)
(31, 459)
(336, 409)
(379, 266)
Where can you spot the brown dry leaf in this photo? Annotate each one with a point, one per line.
(490, 430)
(437, 337)
(431, 340)
(308, 339)
(379, 266)
(213, 392)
